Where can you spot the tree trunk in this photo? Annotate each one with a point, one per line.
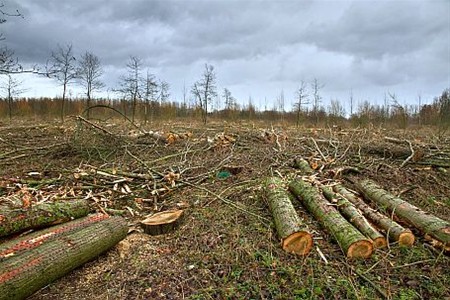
(351, 213)
(294, 237)
(351, 241)
(394, 231)
(63, 102)
(429, 224)
(36, 260)
(41, 215)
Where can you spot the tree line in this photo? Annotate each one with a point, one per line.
(138, 87)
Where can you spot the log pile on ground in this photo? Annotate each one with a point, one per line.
(393, 230)
(294, 237)
(426, 223)
(35, 260)
(352, 242)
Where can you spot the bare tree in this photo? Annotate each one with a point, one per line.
(8, 63)
(90, 72)
(63, 68)
(302, 99)
(163, 91)
(130, 84)
(11, 88)
(336, 109)
(151, 90)
(316, 86)
(204, 90)
(230, 101)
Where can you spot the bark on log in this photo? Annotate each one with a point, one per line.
(41, 215)
(35, 260)
(427, 223)
(294, 237)
(303, 165)
(394, 231)
(352, 214)
(162, 222)
(352, 242)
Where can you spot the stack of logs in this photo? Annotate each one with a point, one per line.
(356, 226)
(31, 261)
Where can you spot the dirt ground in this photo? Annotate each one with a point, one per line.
(227, 246)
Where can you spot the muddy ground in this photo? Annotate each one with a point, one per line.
(226, 246)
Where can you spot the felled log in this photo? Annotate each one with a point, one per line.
(294, 237)
(162, 222)
(351, 213)
(41, 215)
(36, 260)
(352, 242)
(429, 224)
(395, 231)
(303, 165)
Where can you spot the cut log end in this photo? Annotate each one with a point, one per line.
(379, 243)
(406, 239)
(299, 243)
(162, 222)
(360, 249)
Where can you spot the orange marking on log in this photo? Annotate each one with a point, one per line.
(37, 241)
(14, 272)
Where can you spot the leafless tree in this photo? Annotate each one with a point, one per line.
(11, 88)
(131, 86)
(163, 91)
(151, 91)
(204, 90)
(230, 101)
(317, 99)
(8, 63)
(64, 69)
(90, 71)
(302, 99)
(336, 109)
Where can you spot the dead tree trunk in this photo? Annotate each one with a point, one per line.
(35, 260)
(394, 231)
(351, 213)
(429, 224)
(303, 165)
(41, 215)
(294, 238)
(351, 241)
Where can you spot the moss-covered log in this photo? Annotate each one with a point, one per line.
(303, 165)
(352, 242)
(394, 231)
(425, 222)
(294, 237)
(35, 260)
(352, 214)
(41, 215)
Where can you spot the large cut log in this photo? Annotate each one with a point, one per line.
(352, 214)
(35, 260)
(41, 215)
(162, 222)
(303, 165)
(352, 242)
(294, 237)
(394, 231)
(427, 223)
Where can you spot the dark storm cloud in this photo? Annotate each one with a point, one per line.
(263, 45)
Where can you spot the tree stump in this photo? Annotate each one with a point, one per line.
(162, 222)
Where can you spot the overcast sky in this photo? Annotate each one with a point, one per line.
(258, 48)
